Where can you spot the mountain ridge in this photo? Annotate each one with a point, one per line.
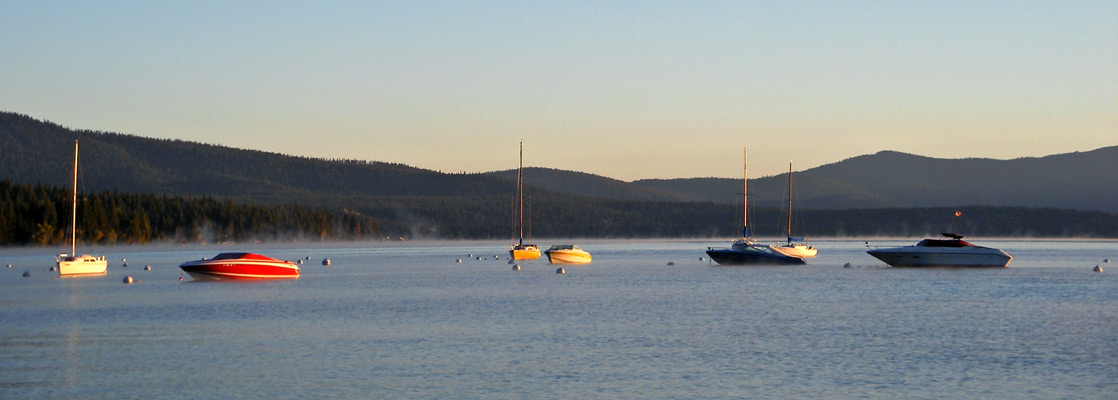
(34, 153)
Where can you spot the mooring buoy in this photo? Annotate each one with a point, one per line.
(1098, 268)
(516, 267)
(128, 280)
(560, 271)
(26, 274)
(147, 268)
(671, 264)
(326, 261)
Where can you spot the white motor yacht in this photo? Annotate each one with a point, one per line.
(950, 252)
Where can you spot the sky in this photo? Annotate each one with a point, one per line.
(624, 89)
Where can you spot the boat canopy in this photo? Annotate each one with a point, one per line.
(242, 256)
(944, 243)
(564, 247)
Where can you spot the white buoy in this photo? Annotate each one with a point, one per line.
(147, 268)
(459, 260)
(308, 257)
(495, 257)
(1105, 261)
(326, 261)
(124, 260)
(516, 267)
(471, 256)
(9, 265)
(702, 258)
(560, 271)
(52, 268)
(671, 264)
(479, 258)
(1098, 268)
(125, 265)
(26, 274)
(128, 280)
(847, 265)
(300, 261)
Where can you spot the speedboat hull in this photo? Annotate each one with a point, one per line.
(749, 255)
(913, 256)
(82, 265)
(240, 266)
(572, 255)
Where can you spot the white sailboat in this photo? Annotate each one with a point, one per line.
(791, 248)
(521, 250)
(72, 264)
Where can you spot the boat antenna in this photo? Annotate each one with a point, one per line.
(951, 227)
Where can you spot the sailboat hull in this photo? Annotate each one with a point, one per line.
(84, 265)
(797, 250)
(524, 252)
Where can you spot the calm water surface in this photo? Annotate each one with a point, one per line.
(390, 320)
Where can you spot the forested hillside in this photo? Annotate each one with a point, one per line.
(40, 215)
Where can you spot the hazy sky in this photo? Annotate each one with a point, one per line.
(627, 90)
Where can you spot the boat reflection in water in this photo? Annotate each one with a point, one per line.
(240, 266)
(950, 252)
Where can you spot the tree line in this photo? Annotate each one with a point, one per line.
(40, 215)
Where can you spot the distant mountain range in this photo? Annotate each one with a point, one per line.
(37, 151)
(477, 205)
(887, 179)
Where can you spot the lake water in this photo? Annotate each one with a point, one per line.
(406, 320)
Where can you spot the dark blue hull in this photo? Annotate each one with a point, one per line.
(751, 257)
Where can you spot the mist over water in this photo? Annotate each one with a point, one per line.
(407, 320)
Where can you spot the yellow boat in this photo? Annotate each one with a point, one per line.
(567, 254)
(521, 251)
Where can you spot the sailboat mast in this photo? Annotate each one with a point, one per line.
(520, 191)
(74, 202)
(789, 201)
(745, 194)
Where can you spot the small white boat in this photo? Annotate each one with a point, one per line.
(798, 250)
(567, 254)
(791, 248)
(950, 252)
(240, 266)
(70, 264)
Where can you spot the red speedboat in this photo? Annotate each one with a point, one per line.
(240, 266)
